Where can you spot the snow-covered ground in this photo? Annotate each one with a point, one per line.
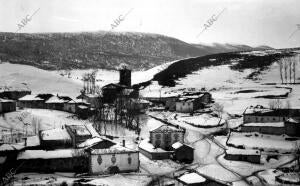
(43, 81)
(268, 143)
(59, 178)
(37, 80)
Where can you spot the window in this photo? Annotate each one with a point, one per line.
(176, 136)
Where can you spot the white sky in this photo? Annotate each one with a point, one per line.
(252, 22)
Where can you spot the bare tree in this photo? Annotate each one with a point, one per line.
(219, 109)
(285, 70)
(288, 104)
(294, 70)
(281, 69)
(275, 104)
(290, 68)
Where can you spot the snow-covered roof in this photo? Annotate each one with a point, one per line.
(143, 101)
(6, 100)
(177, 145)
(55, 134)
(92, 95)
(92, 130)
(165, 128)
(83, 107)
(274, 124)
(55, 99)
(33, 141)
(53, 154)
(81, 101)
(30, 97)
(236, 151)
(10, 147)
(205, 120)
(268, 143)
(89, 142)
(292, 120)
(253, 110)
(113, 149)
(191, 178)
(145, 145)
(291, 177)
(79, 130)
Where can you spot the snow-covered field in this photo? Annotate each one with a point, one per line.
(268, 143)
(60, 178)
(37, 80)
(228, 87)
(42, 81)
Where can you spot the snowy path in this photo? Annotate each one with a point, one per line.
(199, 151)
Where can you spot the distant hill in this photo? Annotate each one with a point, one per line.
(223, 48)
(257, 61)
(107, 50)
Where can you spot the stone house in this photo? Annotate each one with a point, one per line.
(165, 136)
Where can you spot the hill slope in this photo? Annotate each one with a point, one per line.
(99, 50)
(238, 61)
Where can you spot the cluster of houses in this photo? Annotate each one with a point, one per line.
(72, 148)
(8, 95)
(185, 102)
(167, 142)
(259, 120)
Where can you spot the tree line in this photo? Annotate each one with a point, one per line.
(287, 69)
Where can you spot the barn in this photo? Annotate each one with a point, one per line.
(148, 150)
(7, 105)
(292, 127)
(34, 101)
(70, 106)
(14, 93)
(55, 138)
(265, 115)
(61, 160)
(78, 133)
(113, 160)
(183, 153)
(249, 155)
(93, 99)
(190, 179)
(194, 178)
(190, 102)
(275, 128)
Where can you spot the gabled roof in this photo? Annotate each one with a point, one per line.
(79, 130)
(55, 134)
(6, 100)
(114, 85)
(178, 145)
(113, 149)
(30, 97)
(11, 147)
(56, 99)
(191, 178)
(235, 151)
(51, 154)
(165, 128)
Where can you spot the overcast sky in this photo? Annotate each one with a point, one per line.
(252, 22)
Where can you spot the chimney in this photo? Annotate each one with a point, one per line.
(123, 141)
(25, 142)
(125, 77)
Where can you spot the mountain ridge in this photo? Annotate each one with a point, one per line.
(101, 49)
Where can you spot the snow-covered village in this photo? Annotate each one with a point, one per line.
(138, 101)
